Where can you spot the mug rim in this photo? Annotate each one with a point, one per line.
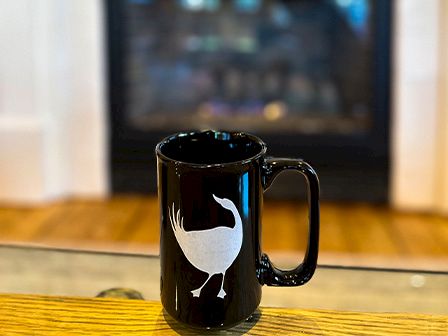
(233, 134)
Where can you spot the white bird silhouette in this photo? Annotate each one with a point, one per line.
(212, 251)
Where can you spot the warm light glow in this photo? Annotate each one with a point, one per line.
(274, 110)
(205, 110)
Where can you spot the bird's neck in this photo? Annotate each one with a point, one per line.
(238, 223)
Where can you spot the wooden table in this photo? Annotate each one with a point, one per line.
(338, 300)
(55, 315)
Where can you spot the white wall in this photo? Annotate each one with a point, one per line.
(20, 136)
(420, 110)
(52, 110)
(442, 135)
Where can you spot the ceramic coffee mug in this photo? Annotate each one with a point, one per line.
(210, 187)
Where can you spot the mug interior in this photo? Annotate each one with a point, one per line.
(211, 147)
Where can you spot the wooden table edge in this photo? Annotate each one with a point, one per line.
(22, 314)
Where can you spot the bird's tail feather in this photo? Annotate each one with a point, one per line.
(177, 223)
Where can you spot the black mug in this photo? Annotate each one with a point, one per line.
(210, 187)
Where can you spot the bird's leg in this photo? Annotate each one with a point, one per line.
(197, 292)
(222, 292)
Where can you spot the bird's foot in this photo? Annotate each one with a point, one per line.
(196, 292)
(221, 294)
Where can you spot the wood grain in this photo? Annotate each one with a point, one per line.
(131, 222)
(47, 316)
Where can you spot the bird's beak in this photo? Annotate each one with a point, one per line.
(217, 199)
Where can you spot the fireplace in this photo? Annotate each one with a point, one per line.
(311, 78)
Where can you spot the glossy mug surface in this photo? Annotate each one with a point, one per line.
(210, 187)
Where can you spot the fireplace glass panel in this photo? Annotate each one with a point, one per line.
(262, 66)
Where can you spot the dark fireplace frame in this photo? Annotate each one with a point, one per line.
(351, 167)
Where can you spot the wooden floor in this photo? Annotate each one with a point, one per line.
(130, 223)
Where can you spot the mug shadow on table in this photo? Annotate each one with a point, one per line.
(240, 329)
(282, 325)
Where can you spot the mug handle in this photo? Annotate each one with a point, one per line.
(270, 275)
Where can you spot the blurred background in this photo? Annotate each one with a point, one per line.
(356, 87)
